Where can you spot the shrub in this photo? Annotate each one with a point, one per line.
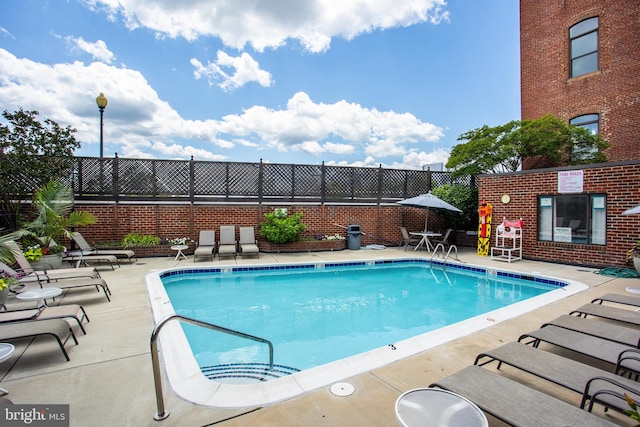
(280, 227)
(134, 239)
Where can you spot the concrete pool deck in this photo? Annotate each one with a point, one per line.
(109, 380)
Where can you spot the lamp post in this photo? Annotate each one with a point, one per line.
(101, 100)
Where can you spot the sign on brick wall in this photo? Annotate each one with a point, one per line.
(570, 181)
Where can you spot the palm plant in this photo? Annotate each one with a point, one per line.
(54, 215)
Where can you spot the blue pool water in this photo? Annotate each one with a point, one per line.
(315, 316)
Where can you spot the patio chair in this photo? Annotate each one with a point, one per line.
(407, 239)
(608, 312)
(248, 242)
(227, 245)
(206, 245)
(445, 239)
(587, 345)
(515, 403)
(57, 328)
(70, 311)
(618, 299)
(87, 249)
(607, 330)
(581, 378)
(71, 283)
(77, 258)
(32, 275)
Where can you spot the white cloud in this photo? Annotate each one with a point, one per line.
(97, 50)
(269, 24)
(136, 119)
(6, 32)
(244, 68)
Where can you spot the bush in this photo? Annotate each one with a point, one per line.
(465, 199)
(279, 227)
(134, 239)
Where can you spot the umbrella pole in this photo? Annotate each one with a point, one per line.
(426, 221)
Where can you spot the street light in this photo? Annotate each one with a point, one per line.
(101, 100)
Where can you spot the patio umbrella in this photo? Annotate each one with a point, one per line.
(428, 201)
(631, 211)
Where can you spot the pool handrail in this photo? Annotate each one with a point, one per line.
(157, 378)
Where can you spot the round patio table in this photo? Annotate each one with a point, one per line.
(432, 407)
(39, 295)
(180, 248)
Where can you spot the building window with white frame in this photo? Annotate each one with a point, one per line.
(583, 45)
(574, 218)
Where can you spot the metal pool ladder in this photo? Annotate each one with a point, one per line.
(440, 245)
(157, 378)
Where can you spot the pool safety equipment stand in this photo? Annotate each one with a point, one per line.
(508, 241)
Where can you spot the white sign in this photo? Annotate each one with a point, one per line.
(570, 181)
(562, 234)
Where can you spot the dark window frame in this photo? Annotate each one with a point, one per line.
(584, 234)
(582, 30)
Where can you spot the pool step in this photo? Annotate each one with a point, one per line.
(246, 372)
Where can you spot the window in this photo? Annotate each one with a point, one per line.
(576, 218)
(584, 47)
(588, 121)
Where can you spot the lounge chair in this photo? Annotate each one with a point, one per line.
(227, 246)
(87, 249)
(607, 330)
(618, 299)
(32, 275)
(609, 312)
(57, 328)
(407, 239)
(588, 345)
(70, 311)
(248, 242)
(78, 258)
(575, 376)
(515, 403)
(43, 281)
(206, 245)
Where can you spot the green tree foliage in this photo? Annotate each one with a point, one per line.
(462, 197)
(548, 141)
(32, 153)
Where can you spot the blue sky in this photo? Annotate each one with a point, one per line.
(391, 82)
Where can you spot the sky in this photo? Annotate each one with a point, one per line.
(366, 83)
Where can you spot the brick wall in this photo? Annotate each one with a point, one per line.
(620, 183)
(379, 223)
(613, 91)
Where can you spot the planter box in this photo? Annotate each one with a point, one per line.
(303, 246)
(153, 251)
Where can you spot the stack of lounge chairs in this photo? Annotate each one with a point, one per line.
(596, 332)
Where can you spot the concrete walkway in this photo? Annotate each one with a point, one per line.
(109, 379)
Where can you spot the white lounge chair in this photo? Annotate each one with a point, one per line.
(248, 242)
(87, 249)
(206, 245)
(228, 245)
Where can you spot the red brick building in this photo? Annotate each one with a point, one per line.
(580, 61)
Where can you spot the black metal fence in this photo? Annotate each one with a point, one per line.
(95, 178)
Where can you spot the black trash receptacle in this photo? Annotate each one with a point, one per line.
(353, 237)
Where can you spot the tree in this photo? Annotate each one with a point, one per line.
(464, 198)
(547, 141)
(32, 153)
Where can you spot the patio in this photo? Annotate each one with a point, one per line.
(109, 379)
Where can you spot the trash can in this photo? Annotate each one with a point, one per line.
(353, 235)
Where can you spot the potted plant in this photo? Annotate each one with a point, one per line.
(54, 219)
(6, 281)
(633, 254)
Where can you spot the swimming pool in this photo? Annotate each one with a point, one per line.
(407, 325)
